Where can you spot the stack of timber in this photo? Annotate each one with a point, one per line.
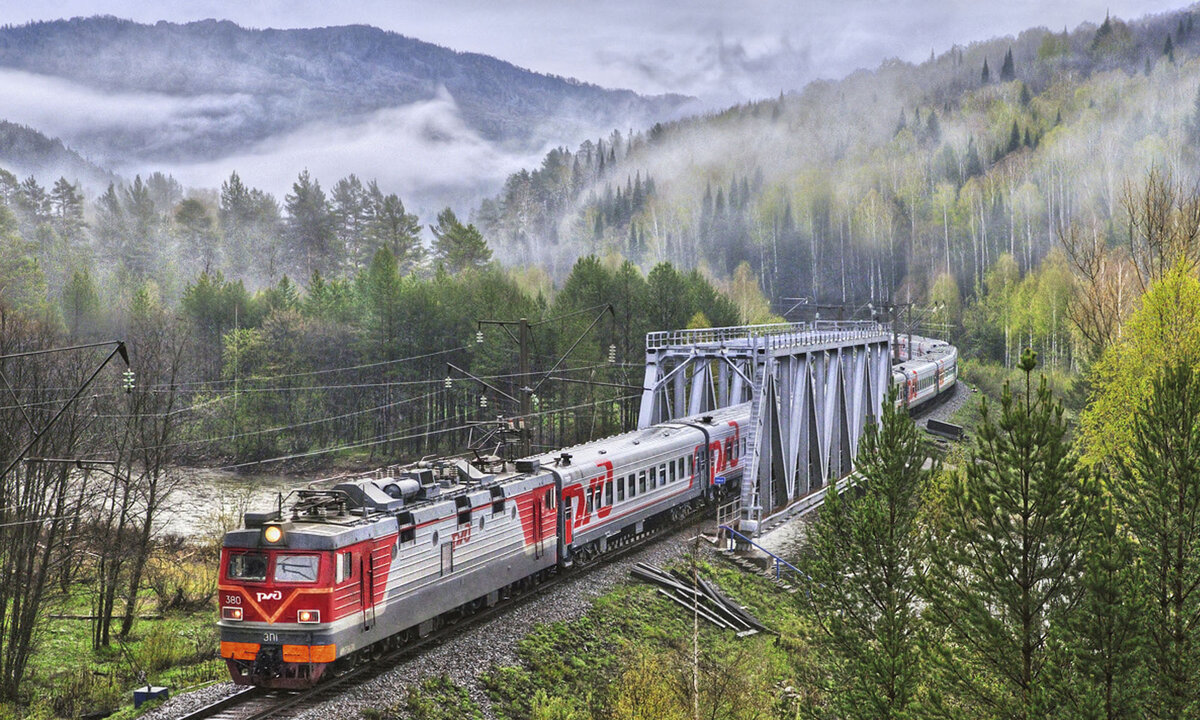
(702, 597)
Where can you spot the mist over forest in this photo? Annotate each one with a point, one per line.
(947, 181)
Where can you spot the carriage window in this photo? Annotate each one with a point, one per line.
(689, 465)
(673, 471)
(608, 499)
(247, 567)
(632, 487)
(642, 482)
(682, 474)
(296, 568)
(345, 566)
(662, 474)
(497, 501)
(590, 495)
(620, 489)
(549, 499)
(729, 449)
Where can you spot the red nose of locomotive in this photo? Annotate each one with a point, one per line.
(274, 595)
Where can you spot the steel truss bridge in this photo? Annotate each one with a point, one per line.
(813, 387)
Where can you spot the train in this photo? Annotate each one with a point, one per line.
(344, 569)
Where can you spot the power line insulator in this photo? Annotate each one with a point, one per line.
(612, 353)
(447, 382)
(479, 337)
(483, 401)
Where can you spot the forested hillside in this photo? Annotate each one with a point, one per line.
(947, 180)
(214, 88)
(27, 151)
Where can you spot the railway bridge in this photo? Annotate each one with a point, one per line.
(813, 387)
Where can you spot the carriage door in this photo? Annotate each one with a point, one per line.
(701, 472)
(366, 587)
(538, 528)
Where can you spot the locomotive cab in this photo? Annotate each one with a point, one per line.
(275, 606)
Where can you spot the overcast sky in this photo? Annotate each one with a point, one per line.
(719, 50)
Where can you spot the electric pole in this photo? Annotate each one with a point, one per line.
(526, 388)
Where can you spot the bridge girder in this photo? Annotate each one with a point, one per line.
(812, 387)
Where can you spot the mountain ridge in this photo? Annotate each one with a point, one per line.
(250, 84)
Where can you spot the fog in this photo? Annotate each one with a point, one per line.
(719, 51)
(422, 151)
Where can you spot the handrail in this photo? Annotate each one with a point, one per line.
(778, 560)
(772, 335)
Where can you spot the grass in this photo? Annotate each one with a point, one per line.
(634, 647)
(66, 678)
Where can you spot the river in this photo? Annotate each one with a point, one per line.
(207, 502)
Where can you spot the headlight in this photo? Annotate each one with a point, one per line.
(273, 534)
(308, 616)
(231, 613)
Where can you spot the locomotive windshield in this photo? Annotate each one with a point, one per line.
(247, 567)
(296, 568)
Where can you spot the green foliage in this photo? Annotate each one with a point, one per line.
(867, 553)
(1005, 555)
(1159, 490)
(22, 284)
(1163, 330)
(438, 698)
(458, 246)
(1098, 652)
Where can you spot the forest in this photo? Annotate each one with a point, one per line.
(1035, 196)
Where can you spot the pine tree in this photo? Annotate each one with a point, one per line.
(1100, 664)
(973, 165)
(985, 76)
(1160, 494)
(867, 549)
(311, 227)
(458, 246)
(1005, 555)
(1014, 138)
(1026, 96)
(933, 128)
(1169, 50)
(1007, 70)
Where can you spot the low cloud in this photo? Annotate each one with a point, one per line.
(423, 151)
(721, 71)
(76, 112)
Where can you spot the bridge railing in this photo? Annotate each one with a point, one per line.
(778, 563)
(774, 335)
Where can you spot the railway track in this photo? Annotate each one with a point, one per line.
(259, 703)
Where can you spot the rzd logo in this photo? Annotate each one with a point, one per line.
(277, 595)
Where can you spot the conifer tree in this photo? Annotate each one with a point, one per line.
(1005, 554)
(974, 166)
(1160, 493)
(1007, 70)
(1100, 665)
(1169, 49)
(933, 128)
(867, 551)
(986, 76)
(458, 246)
(1014, 137)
